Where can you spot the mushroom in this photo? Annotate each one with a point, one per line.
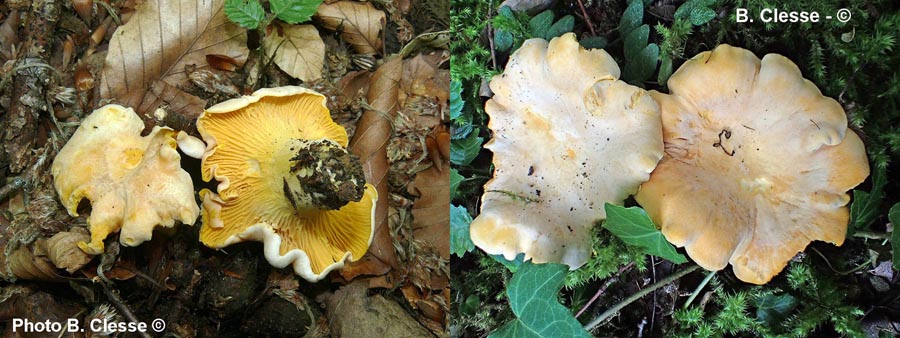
(134, 183)
(567, 138)
(757, 163)
(285, 179)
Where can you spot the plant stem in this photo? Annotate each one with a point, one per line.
(604, 287)
(615, 309)
(699, 288)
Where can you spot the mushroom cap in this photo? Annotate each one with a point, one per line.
(757, 163)
(567, 138)
(134, 183)
(248, 151)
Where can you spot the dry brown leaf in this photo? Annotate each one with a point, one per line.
(161, 38)
(360, 24)
(370, 142)
(300, 52)
(63, 251)
(422, 76)
(431, 212)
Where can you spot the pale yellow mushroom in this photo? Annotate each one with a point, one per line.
(757, 163)
(285, 179)
(134, 183)
(567, 138)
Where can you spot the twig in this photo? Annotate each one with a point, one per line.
(638, 295)
(859, 267)
(871, 235)
(699, 288)
(15, 184)
(491, 35)
(603, 288)
(587, 20)
(120, 304)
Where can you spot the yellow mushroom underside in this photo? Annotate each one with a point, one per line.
(757, 163)
(248, 153)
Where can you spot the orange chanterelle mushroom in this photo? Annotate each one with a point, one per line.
(568, 136)
(757, 163)
(285, 179)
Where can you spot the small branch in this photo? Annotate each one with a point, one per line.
(587, 20)
(843, 273)
(120, 304)
(699, 288)
(602, 289)
(872, 235)
(631, 299)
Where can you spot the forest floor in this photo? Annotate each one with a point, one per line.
(383, 67)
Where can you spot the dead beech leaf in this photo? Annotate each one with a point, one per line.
(300, 52)
(360, 24)
(422, 76)
(369, 142)
(160, 39)
(431, 211)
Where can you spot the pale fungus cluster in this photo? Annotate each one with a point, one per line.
(284, 177)
(754, 163)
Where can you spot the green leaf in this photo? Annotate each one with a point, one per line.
(532, 293)
(456, 101)
(460, 242)
(894, 218)
(503, 40)
(665, 70)
(455, 180)
(460, 128)
(636, 41)
(540, 24)
(640, 69)
(463, 151)
(563, 26)
(511, 265)
(594, 42)
(772, 309)
(702, 15)
(865, 205)
(507, 12)
(294, 11)
(695, 9)
(247, 14)
(632, 17)
(634, 227)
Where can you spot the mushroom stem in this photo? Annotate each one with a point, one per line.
(323, 175)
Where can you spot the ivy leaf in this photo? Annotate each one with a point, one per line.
(640, 69)
(246, 13)
(634, 227)
(563, 26)
(702, 15)
(294, 11)
(865, 205)
(456, 101)
(455, 180)
(594, 42)
(540, 24)
(772, 309)
(894, 218)
(632, 17)
(636, 41)
(503, 40)
(697, 11)
(463, 151)
(460, 242)
(532, 293)
(511, 265)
